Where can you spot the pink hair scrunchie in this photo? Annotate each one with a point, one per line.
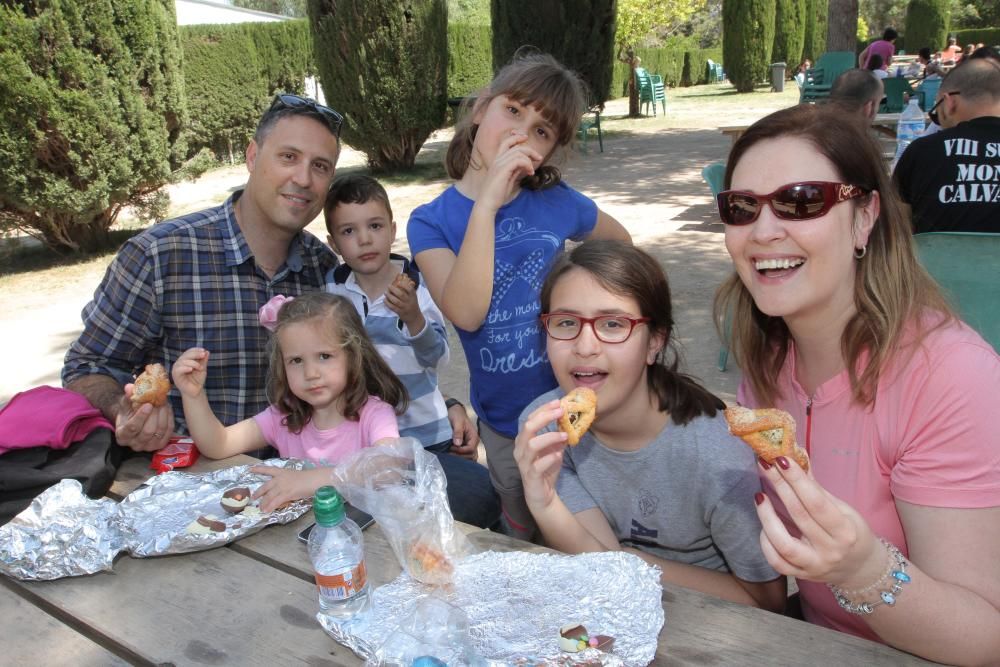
(268, 313)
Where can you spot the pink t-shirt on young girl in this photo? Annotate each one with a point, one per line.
(376, 421)
(928, 440)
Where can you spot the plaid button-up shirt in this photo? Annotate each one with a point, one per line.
(193, 282)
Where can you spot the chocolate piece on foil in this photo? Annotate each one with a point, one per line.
(573, 638)
(234, 500)
(206, 524)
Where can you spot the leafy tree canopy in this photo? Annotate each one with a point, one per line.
(296, 8)
(640, 21)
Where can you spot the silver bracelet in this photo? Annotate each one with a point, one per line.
(898, 576)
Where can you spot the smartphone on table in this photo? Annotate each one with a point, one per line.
(363, 519)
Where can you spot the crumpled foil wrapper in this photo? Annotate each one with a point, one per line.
(516, 603)
(63, 533)
(155, 516)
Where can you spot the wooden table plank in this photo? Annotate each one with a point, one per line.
(214, 607)
(29, 636)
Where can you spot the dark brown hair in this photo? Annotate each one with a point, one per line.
(354, 189)
(626, 271)
(891, 289)
(537, 80)
(367, 373)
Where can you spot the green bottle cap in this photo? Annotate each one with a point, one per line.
(328, 506)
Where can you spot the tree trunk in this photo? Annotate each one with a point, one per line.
(842, 25)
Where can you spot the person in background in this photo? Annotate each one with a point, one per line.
(949, 178)
(918, 68)
(877, 67)
(891, 534)
(801, 71)
(952, 53)
(408, 330)
(858, 92)
(885, 47)
(199, 280)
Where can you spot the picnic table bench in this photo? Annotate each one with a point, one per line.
(253, 602)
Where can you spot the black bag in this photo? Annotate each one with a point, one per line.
(25, 473)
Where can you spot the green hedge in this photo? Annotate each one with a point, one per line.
(230, 74)
(470, 59)
(926, 24)
(988, 36)
(92, 102)
(680, 63)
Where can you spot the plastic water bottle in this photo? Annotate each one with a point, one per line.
(910, 126)
(337, 552)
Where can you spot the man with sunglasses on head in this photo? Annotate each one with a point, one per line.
(199, 280)
(951, 179)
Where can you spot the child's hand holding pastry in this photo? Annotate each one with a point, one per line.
(401, 298)
(539, 455)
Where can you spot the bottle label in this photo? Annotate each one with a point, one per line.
(343, 584)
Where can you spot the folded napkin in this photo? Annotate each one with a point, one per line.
(47, 417)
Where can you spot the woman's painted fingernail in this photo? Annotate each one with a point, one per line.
(758, 497)
(764, 464)
(783, 463)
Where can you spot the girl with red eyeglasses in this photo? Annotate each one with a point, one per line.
(893, 533)
(657, 474)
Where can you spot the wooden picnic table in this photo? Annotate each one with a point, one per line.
(253, 602)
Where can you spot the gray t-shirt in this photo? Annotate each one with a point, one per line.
(687, 496)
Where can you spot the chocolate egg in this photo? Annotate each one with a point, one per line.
(235, 499)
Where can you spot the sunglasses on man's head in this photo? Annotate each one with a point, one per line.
(933, 112)
(794, 201)
(332, 119)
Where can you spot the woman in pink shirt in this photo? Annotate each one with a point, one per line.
(331, 395)
(885, 47)
(893, 533)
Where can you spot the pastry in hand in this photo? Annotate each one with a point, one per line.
(579, 409)
(152, 386)
(404, 281)
(769, 432)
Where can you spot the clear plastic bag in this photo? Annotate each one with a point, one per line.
(405, 489)
(434, 633)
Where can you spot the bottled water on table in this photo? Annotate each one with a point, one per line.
(909, 127)
(337, 552)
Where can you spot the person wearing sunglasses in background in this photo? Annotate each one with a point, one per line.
(951, 179)
(891, 533)
(199, 280)
(658, 473)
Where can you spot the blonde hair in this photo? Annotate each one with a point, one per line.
(537, 80)
(367, 373)
(891, 289)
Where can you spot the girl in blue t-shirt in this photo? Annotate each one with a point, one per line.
(485, 244)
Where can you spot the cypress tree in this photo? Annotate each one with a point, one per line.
(92, 105)
(814, 43)
(789, 31)
(578, 33)
(926, 24)
(384, 65)
(747, 38)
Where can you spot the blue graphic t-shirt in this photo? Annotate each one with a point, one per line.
(506, 355)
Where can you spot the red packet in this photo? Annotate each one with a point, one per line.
(180, 452)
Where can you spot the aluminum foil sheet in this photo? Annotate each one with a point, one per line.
(63, 533)
(516, 603)
(155, 517)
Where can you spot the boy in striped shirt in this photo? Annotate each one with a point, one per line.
(409, 331)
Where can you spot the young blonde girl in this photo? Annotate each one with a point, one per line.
(331, 395)
(658, 473)
(484, 246)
